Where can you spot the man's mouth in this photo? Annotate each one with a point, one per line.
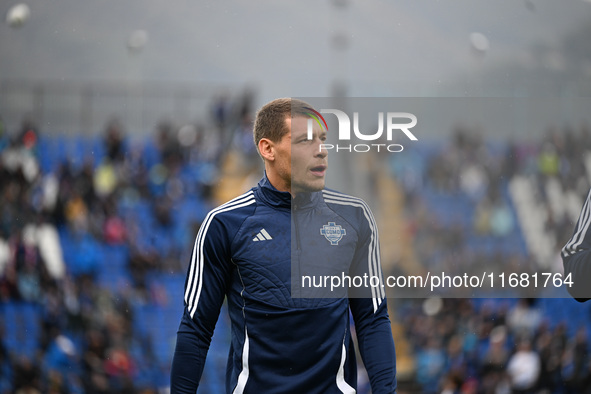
(318, 170)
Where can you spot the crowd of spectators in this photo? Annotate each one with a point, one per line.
(462, 186)
(500, 345)
(61, 219)
(495, 346)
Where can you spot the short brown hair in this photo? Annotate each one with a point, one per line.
(270, 119)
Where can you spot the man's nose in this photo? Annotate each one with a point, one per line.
(321, 150)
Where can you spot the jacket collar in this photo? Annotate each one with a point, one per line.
(275, 198)
(305, 200)
(267, 193)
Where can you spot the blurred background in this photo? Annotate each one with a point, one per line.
(123, 123)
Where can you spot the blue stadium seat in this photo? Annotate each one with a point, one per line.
(113, 272)
(82, 253)
(21, 325)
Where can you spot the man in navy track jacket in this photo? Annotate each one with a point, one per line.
(287, 337)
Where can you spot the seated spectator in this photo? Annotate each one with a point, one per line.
(524, 368)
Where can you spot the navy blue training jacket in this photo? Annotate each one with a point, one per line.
(282, 344)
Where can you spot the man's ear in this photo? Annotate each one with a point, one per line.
(266, 149)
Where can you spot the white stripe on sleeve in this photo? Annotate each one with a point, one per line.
(378, 294)
(195, 281)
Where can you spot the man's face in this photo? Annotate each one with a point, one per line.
(308, 160)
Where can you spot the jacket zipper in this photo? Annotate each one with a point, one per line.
(297, 230)
(298, 247)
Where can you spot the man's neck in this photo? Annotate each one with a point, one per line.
(279, 183)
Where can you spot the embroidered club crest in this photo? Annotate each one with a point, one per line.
(333, 232)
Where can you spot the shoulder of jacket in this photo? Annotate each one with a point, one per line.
(333, 197)
(353, 209)
(238, 207)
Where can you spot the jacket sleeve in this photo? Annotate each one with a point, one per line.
(576, 256)
(370, 312)
(205, 288)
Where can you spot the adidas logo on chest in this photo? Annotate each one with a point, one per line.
(262, 235)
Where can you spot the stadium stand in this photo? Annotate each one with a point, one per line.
(506, 205)
(126, 211)
(95, 236)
